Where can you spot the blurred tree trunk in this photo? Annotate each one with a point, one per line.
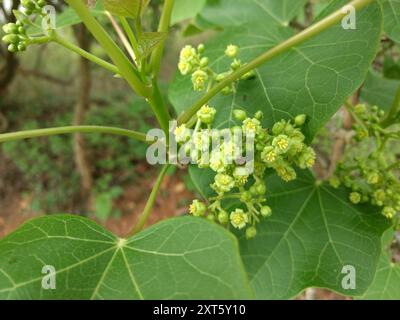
(8, 70)
(83, 104)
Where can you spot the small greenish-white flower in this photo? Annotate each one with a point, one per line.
(279, 127)
(182, 134)
(223, 217)
(281, 143)
(285, 171)
(217, 162)
(269, 155)
(373, 178)
(200, 48)
(199, 80)
(232, 51)
(307, 158)
(251, 126)
(296, 146)
(362, 133)
(355, 197)
(300, 120)
(223, 182)
(266, 211)
(251, 232)
(241, 175)
(239, 218)
(239, 115)
(230, 151)
(236, 64)
(204, 62)
(334, 181)
(360, 109)
(259, 115)
(188, 54)
(197, 208)
(206, 114)
(380, 196)
(388, 212)
(201, 140)
(185, 67)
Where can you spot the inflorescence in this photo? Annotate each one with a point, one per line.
(192, 62)
(367, 168)
(281, 149)
(16, 36)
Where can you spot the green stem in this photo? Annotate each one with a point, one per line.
(150, 202)
(108, 66)
(163, 27)
(131, 36)
(126, 68)
(159, 108)
(20, 135)
(299, 38)
(40, 40)
(394, 110)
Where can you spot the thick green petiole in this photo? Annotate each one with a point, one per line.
(106, 65)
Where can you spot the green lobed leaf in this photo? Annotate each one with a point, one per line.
(69, 17)
(227, 13)
(386, 285)
(184, 9)
(181, 258)
(313, 78)
(391, 11)
(125, 8)
(150, 41)
(391, 68)
(378, 91)
(313, 233)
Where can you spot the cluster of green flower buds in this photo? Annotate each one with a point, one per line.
(369, 121)
(366, 168)
(33, 7)
(15, 33)
(15, 37)
(280, 149)
(192, 61)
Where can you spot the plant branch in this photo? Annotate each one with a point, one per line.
(106, 65)
(20, 135)
(150, 202)
(131, 36)
(126, 68)
(299, 38)
(160, 108)
(163, 27)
